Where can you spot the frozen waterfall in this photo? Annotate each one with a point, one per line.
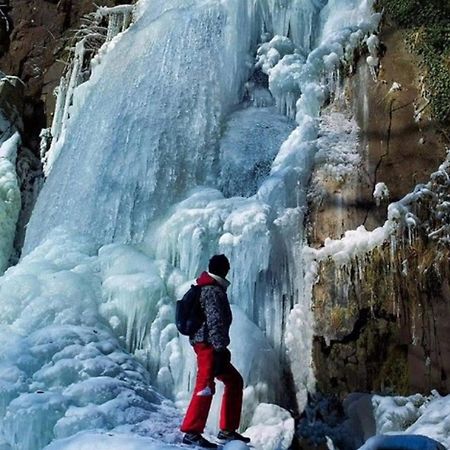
(177, 147)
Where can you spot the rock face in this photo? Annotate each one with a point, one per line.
(389, 334)
(12, 102)
(381, 320)
(33, 50)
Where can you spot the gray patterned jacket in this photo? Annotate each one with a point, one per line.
(215, 304)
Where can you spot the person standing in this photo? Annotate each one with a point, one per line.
(210, 344)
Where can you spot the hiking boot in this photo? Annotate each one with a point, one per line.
(232, 436)
(198, 440)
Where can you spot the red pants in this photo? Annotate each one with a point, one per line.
(197, 412)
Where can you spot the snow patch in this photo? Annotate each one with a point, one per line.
(380, 193)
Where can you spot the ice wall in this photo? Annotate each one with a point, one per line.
(152, 144)
(298, 20)
(147, 122)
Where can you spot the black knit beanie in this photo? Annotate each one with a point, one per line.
(219, 265)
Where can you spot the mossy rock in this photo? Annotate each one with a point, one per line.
(427, 27)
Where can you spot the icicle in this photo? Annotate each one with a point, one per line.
(73, 78)
(64, 98)
(61, 94)
(119, 19)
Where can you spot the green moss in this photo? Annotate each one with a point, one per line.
(428, 26)
(393, 377)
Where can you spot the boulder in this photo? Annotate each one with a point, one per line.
(402, 442)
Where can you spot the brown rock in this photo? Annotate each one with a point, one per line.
(381, 328)
(40, 29)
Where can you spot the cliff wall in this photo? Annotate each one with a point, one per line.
(381, 318)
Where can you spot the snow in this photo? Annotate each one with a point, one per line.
(396, 413)
(122, 441)
(272, 428)
(414, 415)
(395, 87)
(380, 193)
(414, 422)
(107, 441)
(353, 243)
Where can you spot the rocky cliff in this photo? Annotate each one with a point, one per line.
(381, 315)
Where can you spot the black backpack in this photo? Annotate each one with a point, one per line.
(189, 315)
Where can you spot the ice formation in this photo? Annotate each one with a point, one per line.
(337, 155)
(84, 56)
(119, 19)
(61, 368)
(141, 171)
(402, 216)
(120, 441)
(413, 415)
(380, 193)
(10, 201)
(271, 427)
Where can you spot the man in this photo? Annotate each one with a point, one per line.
(210, 344)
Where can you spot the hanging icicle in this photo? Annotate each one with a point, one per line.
(89, 39)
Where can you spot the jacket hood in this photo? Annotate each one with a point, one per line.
(210, 279)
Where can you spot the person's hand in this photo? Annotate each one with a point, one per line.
(222, 358)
